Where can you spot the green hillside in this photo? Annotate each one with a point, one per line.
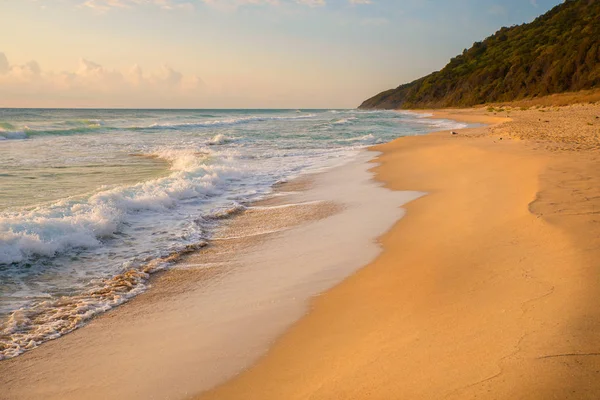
(558, 52)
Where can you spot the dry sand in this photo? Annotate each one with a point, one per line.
(488, 288)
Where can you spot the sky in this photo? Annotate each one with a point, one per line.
(233, 53)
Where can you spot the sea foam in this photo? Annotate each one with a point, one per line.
(222, 122)
(219, 139)
(64, 261)
(81, 223)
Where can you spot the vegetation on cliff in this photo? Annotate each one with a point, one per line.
(558, 52)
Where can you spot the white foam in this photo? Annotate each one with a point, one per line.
(85, 240)
(416, 114)
(287, 205)
(448, 125)
(225, 122)
(219, 139)
(28, 327)
(82, 223)
(253, 234)
(221, 328)
(436, 123)
(345, 121)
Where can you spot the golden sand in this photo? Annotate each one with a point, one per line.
(488, 288)
(219, 310)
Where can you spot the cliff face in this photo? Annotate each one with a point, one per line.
(558, 52)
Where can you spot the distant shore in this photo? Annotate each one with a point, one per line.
(488, 288)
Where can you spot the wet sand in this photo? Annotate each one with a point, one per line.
(488, 288)
(220, 309)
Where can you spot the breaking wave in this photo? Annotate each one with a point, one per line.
(48, 231)
(9, 131)
(76, 224)
(438, 124)
(220, 123)
(64, 262)
(345, 121)
(219, 139)
(28, 327)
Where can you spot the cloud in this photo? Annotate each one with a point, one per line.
(232, 5)
(4, 65)
(92, 80)
(312, 3)
(106, 5)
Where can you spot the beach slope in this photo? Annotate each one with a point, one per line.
(486, 289)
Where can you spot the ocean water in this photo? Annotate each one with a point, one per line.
(94, 201)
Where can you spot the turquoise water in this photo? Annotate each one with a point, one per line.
(93, 201)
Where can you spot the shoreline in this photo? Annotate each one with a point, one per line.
(121, 233)
(257, 277)
(485, 289)
(469, 296)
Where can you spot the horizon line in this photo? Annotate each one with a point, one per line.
(171, 109)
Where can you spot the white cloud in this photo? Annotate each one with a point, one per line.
(92, 80)
(4, 66)
(312, 3)
(105, 5)
(231, 5)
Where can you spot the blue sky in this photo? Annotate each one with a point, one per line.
(233, 53)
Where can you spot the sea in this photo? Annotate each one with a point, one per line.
(93, 202)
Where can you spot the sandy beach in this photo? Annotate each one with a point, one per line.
(486, 289)
(220, 309)
(300, 200)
